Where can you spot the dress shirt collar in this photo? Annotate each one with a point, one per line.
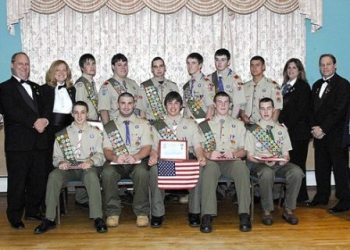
(292, 82)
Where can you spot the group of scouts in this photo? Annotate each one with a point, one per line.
(231, 129)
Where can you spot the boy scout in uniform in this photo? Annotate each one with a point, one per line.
(113, 87)
(224, 146)
(153, 91)
(199, 91)
(77, 154)
(258, 88)
(86, 91)
(268, 138)
(129, 143)
(224, 79)
(175, 127)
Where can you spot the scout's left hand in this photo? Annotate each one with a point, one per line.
(202, 161)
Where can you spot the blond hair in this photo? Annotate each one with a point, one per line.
(50, 74)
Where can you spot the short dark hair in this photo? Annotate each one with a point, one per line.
(13, 57)
(223, 52)
(118, 57)
(80, 103)
(258, 58)
(126, 94)
(84, 58)
(328, 55)
(196, 56)
(266, 99)
(221, 93)
(173, 95)
(156, 59)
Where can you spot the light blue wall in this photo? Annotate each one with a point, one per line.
(333, 37)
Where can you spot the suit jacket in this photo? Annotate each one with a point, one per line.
(20, 112)
(329, 112)
(296, 111)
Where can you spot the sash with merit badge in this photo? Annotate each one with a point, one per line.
(118, 87)
(90, 92)
(154, 100)
(67, 148)
(115, 138)
(193, 104)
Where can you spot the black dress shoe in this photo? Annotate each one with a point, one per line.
(267, 219)
(194, 220)
(38, 217)
(156, 221)
(100, 225)
(44, 226)
(245, 224)
(17, 225)
(342, 206)
(290, 218)
(315, 203)
(206, 226)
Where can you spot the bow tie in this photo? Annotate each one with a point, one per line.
(22, 81)
(62, 86)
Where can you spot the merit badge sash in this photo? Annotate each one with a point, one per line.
(90, 91)
(66, 146)
(164, 131)
(154, 101)
(266, 140)
(118, 87)
(115, 138)
(194, 104)
(210, 143)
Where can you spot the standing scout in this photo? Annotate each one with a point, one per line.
(269, 139)
(258, 88)
(224, 146)
(113, 87)
(153, 91)
(199, 91)
(175, 127)
(224, 79)
(129, 143)
(77, 154)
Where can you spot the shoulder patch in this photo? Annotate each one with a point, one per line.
(79, 84)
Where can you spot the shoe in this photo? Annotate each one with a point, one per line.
(100, 225)
(44, 226)
(315, 203)
(113, 221)
(194, 220)
(156, 221)
(305, 203)
(17, 225)
(206, 226)
(38, 216)
(142, 221)
(84, 205)
(267, 218)
(290, 218)
(245, 224)
(341, 206)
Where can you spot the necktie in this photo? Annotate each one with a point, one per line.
(78, 151)
(124, 83)
(127, 132)
(286, 89)
(323, 87)
(269, 131)
(220, 84)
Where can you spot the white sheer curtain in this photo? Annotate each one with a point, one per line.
(68, 34)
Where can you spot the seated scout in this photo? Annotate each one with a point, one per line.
(267, 145)
(224, 146)
(175, 127)
(129, 143)
(77, 154)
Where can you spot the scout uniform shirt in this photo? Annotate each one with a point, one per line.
(280, 136)
(108, 95)
(233, 86)
(140, 133)
(229, 133)
(201, 89)
(88, 147)
(163, 89)
(255, 92)
(184, 129)
(86, 91)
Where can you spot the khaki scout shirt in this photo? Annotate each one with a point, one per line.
(91, 143)
(281, 138)
(184, 129)
(163, 89)
(202, 90)
(233, 86)
(229, 133)
(108, 95)
(255, 92)
(82, 95)
(140, 133)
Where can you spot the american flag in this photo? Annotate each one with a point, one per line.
(178, 174)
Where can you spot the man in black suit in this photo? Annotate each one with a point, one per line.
(330, 96)
(25, 143)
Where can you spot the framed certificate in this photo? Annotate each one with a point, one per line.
(172, 150)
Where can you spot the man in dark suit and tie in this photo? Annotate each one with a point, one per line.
(330, 96)
(25, 143)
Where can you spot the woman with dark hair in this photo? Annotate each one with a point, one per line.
(295, 116)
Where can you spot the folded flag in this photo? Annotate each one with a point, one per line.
(178, 174)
